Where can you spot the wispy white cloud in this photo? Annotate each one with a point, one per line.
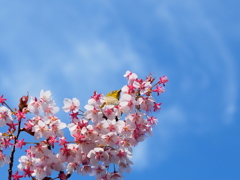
(37, 54)
(191, 30)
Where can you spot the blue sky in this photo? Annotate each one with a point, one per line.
(76, 47)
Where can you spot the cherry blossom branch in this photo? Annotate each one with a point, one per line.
(103, 136)
(20, 115)
(13, 151)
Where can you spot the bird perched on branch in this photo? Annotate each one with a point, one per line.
(112, 98)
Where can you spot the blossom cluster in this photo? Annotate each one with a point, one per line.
(102, 136)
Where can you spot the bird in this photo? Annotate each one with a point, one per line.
(112, 97)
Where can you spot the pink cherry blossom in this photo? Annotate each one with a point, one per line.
(46, 97)
(34, 106)
(85, 169)
(111, 126)
(71, 105)
(96, 155)
(108, 111)
(90, 133)
(163, 80)
(2, 144)
(130, 76)
(98, 171)
(62, 141)
(5, 116)
(12, 126)
(156, 106)
(20, 144)
(144, 86)
(127, 103)
(71, 167)
(110, 139)
(136, 117)
(41, 129)
(39, 171)
(68, 153)
(96, 99)
(123, 155)
(26, 162)
(3, 159)
(129, 89)
(49, 109)
(56, 128)
(127, 128)
(125, 167)
(16, 176)
(152, 120)
(52, 140)
(7, 142)
(93, 113)
(146, 103)
(27, 172)
(2, 100)
(159, 89)
(20, 115)
(128, 142)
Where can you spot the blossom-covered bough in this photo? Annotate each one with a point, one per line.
(102, 136)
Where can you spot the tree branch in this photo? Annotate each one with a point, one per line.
(13, 151)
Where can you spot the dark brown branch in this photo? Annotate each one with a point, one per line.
(13, 151)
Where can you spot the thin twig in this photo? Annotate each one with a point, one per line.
(31, 143)
(82, 111)
(8, 107)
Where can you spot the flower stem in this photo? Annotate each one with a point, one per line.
(8, 107)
